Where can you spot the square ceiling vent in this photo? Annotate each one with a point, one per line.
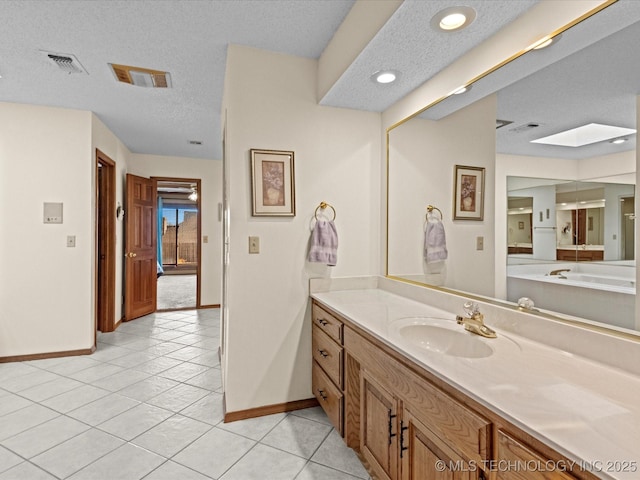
(141, 77)
(65, 61)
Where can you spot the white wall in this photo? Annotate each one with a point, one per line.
(46, 289)
(210, 173)
(422, 156)
(619, 166)
(271, 104)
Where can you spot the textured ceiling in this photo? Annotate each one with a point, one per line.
(588, 76)
(409, 45)
(187, 38)
(190, 38)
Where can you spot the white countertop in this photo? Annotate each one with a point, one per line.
(587, 411)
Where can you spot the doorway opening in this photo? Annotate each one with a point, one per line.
(179, 227)
(627, 209)
(105, 243)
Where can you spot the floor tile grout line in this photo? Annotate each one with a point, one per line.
(208, 391)
(184, 466)
(86, 383)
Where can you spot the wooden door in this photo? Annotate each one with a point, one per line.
(140, 248)
(105, 242)
(378, 428)
(425, 456)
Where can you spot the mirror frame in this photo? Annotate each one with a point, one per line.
(597, 327)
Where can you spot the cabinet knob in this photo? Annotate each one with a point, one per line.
(323, 353)
(322, 395)
(322, 321)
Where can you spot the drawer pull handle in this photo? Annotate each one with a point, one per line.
(323, 353)
(402, 430)
(322, 395)
(322, 322)
(391, 434)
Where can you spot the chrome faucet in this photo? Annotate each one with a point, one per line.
(559, 272)
(474, 323)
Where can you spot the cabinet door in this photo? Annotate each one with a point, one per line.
(425, 457)
(378, 428)
(516, 461)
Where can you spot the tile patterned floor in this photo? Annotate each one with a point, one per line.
(148, 405)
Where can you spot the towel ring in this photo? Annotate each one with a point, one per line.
(322, 206)
(430, 209)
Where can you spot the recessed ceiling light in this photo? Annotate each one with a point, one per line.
(462, 89)
(545, 42)
(453, 18)
(585, 135)
(384, 76)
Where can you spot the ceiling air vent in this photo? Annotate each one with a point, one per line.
(525, 127)
(141, 77)
(66, 62)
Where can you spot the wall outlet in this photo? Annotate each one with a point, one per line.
(254, 244)
(71, 240)
(479, 243)
(205, 239)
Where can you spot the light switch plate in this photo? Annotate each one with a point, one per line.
(254, 244)
(205, 239)
(71, 240)
(479, 243)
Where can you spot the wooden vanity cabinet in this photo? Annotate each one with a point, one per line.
(409, 429)
(579, 255)
(407, 424)
(328, 365)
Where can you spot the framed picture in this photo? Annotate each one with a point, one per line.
(272, 183)
(468, 200)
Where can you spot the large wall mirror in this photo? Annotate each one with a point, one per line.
(559, 213)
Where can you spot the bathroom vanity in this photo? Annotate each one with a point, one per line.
(417, 397)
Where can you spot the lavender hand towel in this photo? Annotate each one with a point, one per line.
(324, 243)
(435, 244)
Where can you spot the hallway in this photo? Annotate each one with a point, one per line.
(176, 291)
(148, 404)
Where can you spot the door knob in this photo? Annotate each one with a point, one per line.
(131, 255)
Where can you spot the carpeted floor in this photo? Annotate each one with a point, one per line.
(176, 291)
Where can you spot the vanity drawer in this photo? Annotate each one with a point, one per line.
(330, 398)
(524, 461)
(327, 323)
(328, 354)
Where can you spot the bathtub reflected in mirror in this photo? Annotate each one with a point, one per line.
(581, 248)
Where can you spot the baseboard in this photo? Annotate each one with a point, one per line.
(214, 305)
(40, 356)
(268, 409)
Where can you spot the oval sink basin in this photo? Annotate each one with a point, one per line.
(436, 336)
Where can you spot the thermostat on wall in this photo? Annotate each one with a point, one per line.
(52, 212)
